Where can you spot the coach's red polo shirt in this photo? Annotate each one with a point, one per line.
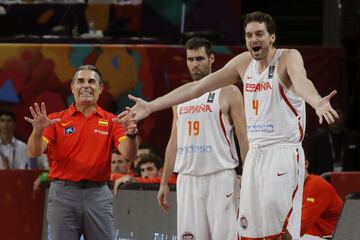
(81, 146)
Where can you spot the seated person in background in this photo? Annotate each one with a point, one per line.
(146, 149)
(321, 207)
(13, 153)
(150, 166)
(41, 162)
(143, 149)
(120, 166)
(335, 148)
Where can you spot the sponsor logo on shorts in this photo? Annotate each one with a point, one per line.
(69, 130)
(193, 149)
(187, 236)
(229, 195)
(243, 222)
(281, 173)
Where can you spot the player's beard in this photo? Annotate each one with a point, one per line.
(199, 75)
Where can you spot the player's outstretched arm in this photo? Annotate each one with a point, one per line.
(227, 75)
(306, 89)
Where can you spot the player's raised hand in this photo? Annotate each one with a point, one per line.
(40, 120)
(325, 111)
(141, 109)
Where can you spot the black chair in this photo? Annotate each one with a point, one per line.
(348, 225)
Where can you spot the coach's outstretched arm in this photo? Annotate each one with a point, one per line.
(305, 88)
(223, 77)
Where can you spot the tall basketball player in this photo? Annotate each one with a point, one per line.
(275, 91)
(201, 147)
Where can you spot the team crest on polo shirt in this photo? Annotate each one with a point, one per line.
(187, 236)
(69, 130)
(103, 122)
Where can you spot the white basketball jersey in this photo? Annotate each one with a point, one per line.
(205, 139)
(274, 114)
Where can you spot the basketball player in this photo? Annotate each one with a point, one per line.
(275, 91)
(202, 142)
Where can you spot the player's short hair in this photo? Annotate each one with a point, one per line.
(261, 18)
(198, 42)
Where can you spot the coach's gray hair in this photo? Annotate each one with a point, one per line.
(91, 68)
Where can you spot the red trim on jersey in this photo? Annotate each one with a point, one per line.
(277, 236)
(223, 129)
(293, 110)
(261, 238)
(248, 238)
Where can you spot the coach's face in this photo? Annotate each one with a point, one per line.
(86, 87)
(198, 63)
(258, 40)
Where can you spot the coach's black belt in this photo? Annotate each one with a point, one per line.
(80, 184)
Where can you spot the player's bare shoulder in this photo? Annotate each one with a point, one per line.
(289, 55)
(282, 62)
(290, 59)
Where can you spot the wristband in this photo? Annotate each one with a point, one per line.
(132, 136)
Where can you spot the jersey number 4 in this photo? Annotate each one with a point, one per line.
(255, 105)
(194, 128)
